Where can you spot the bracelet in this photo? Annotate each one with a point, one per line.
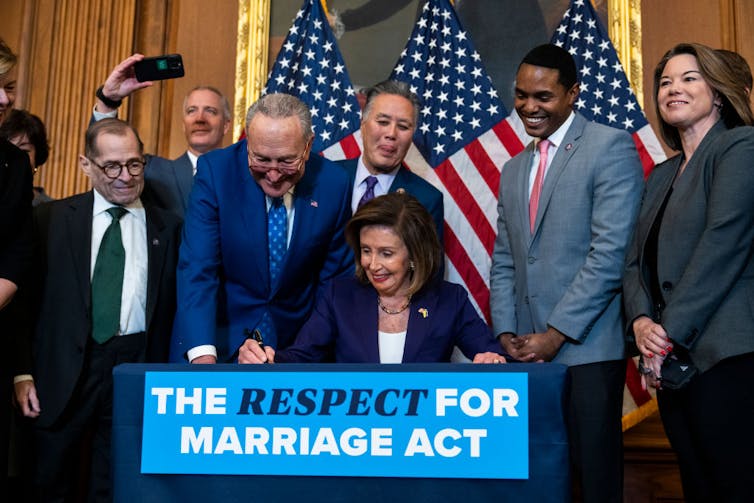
(107, 101)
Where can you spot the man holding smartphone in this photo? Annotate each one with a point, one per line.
(206, 121)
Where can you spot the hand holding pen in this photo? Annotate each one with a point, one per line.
(253, 350)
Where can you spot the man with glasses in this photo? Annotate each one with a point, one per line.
(104, 294)
(206, 121)
(264, 228)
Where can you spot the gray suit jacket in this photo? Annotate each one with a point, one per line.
(568, 274)
(168, 183)
(705, 253)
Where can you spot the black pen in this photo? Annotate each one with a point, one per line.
(256, 335)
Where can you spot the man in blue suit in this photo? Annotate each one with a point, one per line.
(264, 228)
(387, 127)
(206, 121)
(566, 210)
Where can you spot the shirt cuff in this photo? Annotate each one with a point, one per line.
(196, 352)
(22, 377)
(98, 116)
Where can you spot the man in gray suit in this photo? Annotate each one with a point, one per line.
(566, 209)
(206, 120)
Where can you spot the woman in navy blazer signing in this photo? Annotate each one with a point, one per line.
(396, 309)
(689, 282)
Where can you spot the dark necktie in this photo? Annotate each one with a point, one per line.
(107, 280)
(369, 194)
(277, 238)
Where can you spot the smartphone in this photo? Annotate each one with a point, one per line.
(169, 66)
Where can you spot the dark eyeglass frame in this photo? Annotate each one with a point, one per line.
(135, 167)
(287, 167)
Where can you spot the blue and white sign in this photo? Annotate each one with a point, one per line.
(382, 424)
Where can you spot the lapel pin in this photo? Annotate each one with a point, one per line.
(402, 191)
(155, 242)
(423, 311)
(569, 147)
(314, 204)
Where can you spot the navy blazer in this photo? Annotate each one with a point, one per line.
(224, 252)
(343, 326)
(411, 183)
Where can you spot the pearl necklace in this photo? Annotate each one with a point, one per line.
(393, 311)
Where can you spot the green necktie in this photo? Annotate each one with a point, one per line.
(107, 280)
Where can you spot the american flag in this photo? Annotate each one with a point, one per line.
(310, 67)
(462, 141)
(606, 97)
(605, 94)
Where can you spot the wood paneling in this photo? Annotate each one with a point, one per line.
(70, 46)
(205, 34)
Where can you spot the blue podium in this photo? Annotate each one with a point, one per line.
(546, 478)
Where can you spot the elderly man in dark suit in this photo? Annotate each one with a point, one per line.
(387, 129)
(567, 205)
(206, 121)
(105, 295)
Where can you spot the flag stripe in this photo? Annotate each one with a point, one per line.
(633, 382)
(508, 137)
(646, 160)
(474, 283)
(463, 199)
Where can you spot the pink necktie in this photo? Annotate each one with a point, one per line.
(536, 190)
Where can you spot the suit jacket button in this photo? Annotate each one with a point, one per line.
(526, 299)
(667, 286)
(532, 260)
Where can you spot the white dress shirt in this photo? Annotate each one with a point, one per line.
(391, 346)
(384, 181)
(133, 228)
(555, 139)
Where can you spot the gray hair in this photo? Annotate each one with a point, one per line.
(395, 87)
(282, 106)
(223, 99)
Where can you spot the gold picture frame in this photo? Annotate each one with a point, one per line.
(624, 19)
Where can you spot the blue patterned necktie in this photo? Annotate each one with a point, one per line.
(107, 280)
(369, 193)
(277, 241)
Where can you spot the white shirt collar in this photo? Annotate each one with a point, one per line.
(101, 204)
(556, 138)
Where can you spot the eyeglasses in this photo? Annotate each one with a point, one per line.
(285, 167)
(113, 169)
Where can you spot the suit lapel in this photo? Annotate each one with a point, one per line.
(305, 219)
(420, 317)
(522, 188)
(365, 315)
(157, 245)
(253, 209)
(401, 180)
(558, 165)
(184, 177)
(79, 232)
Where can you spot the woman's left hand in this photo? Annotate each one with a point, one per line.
(488, 357)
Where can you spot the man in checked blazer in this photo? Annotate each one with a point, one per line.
(558, 261)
